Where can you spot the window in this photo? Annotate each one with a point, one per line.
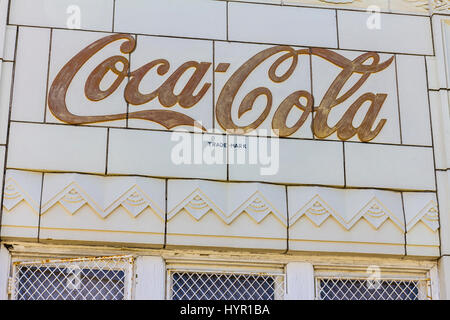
(106, 278)
(356, 289)
(352, 286)
(223, 285)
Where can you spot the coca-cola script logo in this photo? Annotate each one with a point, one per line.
(364, 65)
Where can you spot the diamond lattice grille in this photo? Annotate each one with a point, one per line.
(225, 286)
(73, 279)
(362, 289)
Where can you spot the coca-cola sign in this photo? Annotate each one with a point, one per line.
(195, 89)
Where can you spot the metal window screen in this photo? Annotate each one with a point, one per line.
(186, 285)
(362, 289)
(105, 278)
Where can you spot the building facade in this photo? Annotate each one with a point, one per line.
(209, 149)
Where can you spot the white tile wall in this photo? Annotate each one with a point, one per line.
(441, 42)
(445, 27)
(5, 93)
(413, 98)
(282, 25)
(433, 72)
(299, 161)
(388, 166)
(57, 148)
(154, 153)
(3, 19)
(397, 33)
(48, 147)
(30, 78)
(10, 43)
(439, 106)
(443, 192)
(195, 18)
(94, 15)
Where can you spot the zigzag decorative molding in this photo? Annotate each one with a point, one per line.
(14, 194)
(433, 5)
(429, 215)
(197, 204)
(376, 214)
(134, 200)
(73, 197)
(317, 210)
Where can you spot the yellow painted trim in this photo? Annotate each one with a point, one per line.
(220, 218)
(96, 230)
(423, 245)
(11, 226)
(221, 236)
(221, 212)
(353, 242)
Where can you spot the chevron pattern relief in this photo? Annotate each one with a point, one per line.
(422, 223)
(434, 5)
(428, 215)
(218, 214)
(225, 202)
(198, 204)
(14, 194)
(73, 197)
(374, 212)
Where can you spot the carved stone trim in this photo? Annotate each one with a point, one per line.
(197, 204)
(14, 194)
(374, 212)
(429, 215)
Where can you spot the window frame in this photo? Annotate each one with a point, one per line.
(303, 268)
(423, 276)
(127, 260)
(221, 267)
